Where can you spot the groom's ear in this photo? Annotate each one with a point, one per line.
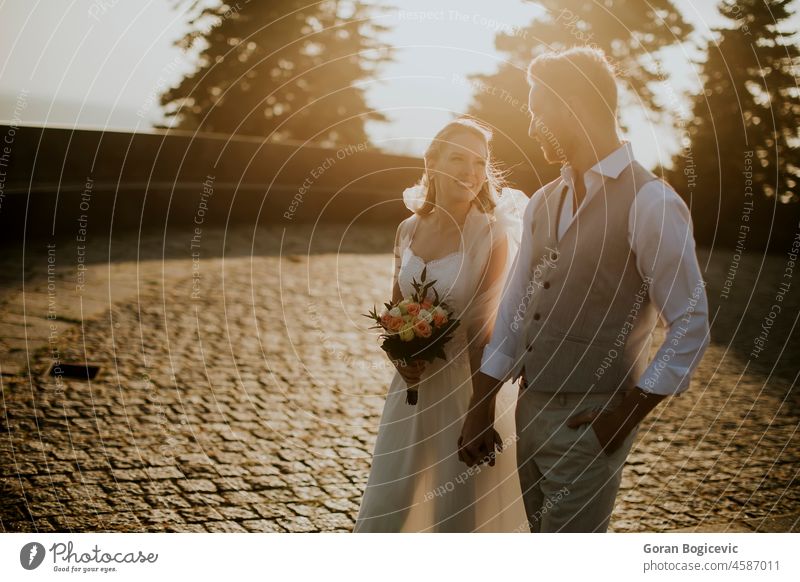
(573, 107)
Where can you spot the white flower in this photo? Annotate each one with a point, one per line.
(414, 197)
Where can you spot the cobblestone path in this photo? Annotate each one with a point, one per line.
(243, 393)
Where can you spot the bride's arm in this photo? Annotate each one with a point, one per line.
(481, 436)
(397, 294)
(481, 323)
(411, 373)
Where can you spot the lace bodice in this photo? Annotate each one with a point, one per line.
(444, 271)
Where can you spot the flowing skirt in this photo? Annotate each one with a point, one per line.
(418, 484)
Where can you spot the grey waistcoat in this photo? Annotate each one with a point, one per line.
(585, 297)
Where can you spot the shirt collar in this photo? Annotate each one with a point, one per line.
(613, 164)
(610, 166)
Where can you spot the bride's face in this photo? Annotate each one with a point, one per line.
(460, 168)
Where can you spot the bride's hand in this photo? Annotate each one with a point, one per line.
(479, 439)
(411, 372)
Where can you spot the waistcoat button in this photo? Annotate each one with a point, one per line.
(536, 317)
(546, 285)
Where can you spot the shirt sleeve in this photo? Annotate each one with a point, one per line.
(661, 235)
(500, 354)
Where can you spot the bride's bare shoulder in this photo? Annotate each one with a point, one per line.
(406, 225)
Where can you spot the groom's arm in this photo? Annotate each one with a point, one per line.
(660, 235)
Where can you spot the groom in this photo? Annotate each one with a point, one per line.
(607, 249)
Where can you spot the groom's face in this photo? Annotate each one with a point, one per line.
(548, 125)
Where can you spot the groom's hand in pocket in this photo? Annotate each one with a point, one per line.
(612, 426)
(605, 425)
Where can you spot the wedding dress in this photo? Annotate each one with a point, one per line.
(417, 483)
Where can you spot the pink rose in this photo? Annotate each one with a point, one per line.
(439, 318)
(427, 304)
(422, 328)
(395, 323)
(413, 308)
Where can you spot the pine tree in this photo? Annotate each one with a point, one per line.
(740, 163)
(282, 69)
(629, 31)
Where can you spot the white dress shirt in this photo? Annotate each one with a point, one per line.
(660, 235)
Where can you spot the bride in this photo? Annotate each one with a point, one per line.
(465, 232)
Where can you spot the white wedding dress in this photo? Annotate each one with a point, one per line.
(417, 483)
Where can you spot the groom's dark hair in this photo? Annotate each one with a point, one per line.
(580, 72)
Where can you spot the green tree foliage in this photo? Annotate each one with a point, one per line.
(740, 164)
(281, 69)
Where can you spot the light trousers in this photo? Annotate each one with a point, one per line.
(569, 484)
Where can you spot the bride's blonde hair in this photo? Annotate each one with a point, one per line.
(485, 199)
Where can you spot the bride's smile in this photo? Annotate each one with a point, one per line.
(460, 170)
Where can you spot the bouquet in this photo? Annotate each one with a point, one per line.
(416, 328)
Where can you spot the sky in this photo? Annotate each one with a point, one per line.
(103, 63)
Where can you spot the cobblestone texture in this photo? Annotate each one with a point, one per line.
(254, 406)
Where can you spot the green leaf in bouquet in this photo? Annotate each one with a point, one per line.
(425, 289)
